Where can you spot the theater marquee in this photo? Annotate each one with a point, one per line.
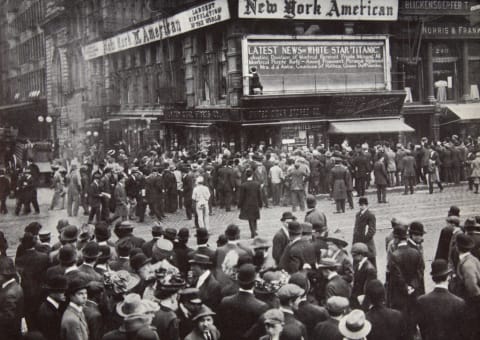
(370, 10)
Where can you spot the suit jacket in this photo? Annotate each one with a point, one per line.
(362, 277)
(203, 250)
(279, 243)
(94, 320)
(337, 286)
(32, 267)
(225, 179)
(380, 173)
(238, 313)
(11, 311)
(365, 229)
(293, 329)
(361, 164)
(296, 255)
(94, 198)
(408, 166)
(439, 315)
(310, 315)
(250, 201)
(387, 324)
(468, 270)
(90, 272)
(48, 320)
(196, 335)
(74, 325)
(211, 292)
(327, 330)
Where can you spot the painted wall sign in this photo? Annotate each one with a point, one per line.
(450, 30)
(352, 10)
(194, 18)
(434, 7)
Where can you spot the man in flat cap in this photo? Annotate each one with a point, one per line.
(337, 307)
(364, 272)
(290, 296)
(189, 304)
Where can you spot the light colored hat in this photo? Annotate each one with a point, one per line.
(354, 325)
(199, 180)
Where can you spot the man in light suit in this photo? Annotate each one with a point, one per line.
(365, 229)
(74, 325)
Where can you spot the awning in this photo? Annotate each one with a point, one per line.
(465, 111)
(15, 106)
(189, 125)
(369, 126)
(285, 122)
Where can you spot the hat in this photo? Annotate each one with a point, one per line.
(294, 228)
(163, 244)
(307, 228)
(354, 325)
(200, 259)
(183, 234)
(439, 268)
(395, 221)
(363, 201)
(75, 285)
(273, 316)
(201, 233)
(91, 250)
(44, 235)
(169, 285)
(246, 274)
(69, 234)
(123, 281)
(67, 255)
(259, 242)
(464, 242)
(28, 240)
(110, 152)
(232, 231)
(204, 311)
(124, 225)
(287, 216)
(300, 279)
(6, 266)
(311, 201)
(105, 253)
(124, 246)
(138, 261)
(290, 291)
(359, 248)
(471, 224)
(416, 228)
(336, 305)
(400, 232)
(453, 220)
(95, 287)
(170, 234)
(327, 263)
(33, 228)
(337, 241)
(375, 291)
(191, 295)
(157, 230)
(132, 304)
(56, 283)
(454, 211)
(102, 232)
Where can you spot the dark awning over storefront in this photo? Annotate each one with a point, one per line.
(370, 126)
(465, 111)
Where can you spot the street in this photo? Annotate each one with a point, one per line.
(431, 210)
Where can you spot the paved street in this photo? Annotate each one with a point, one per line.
(431, 210)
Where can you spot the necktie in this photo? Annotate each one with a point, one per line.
(207, 335)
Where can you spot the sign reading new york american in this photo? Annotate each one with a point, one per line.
(194, 18)
(371, 10)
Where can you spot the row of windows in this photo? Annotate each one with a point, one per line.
(32, 49)
(31, 17)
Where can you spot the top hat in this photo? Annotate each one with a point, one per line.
(200, 259)
(354, 325)
(337, 241)
(464, 242)
(6, 266)
(246, 274)
(294, 228)
(91, 250)
(56, 283)
(69, 234)
(327, 263)
(416, 228)
(204, 311)
(439, 268)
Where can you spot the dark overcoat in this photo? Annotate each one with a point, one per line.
(250, 201)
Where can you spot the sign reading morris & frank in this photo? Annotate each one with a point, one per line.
(371, 10)
(194, 18)
(320, 63)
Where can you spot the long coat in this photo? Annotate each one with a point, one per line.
(339, 182)
(439, 315)
(387, 324)
(408, 166)
(11, 311)
(279, 243)
(250, 201)
(210, 292)
(364, 230)
(380, 173)
(361, 278)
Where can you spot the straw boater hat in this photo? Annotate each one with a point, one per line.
(354, 325)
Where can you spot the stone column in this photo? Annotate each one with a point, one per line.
(430, 89)
(189, 81)
(234, 64)
(466, 72)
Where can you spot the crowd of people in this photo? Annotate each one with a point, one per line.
(302, 284)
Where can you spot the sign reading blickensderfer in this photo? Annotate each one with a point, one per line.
(194, 18)
(320, 63)
(352, 10)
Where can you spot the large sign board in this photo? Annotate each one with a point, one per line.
(194, 18)
(317, 64)
(351, 10)
(448, 30)
(434, 7)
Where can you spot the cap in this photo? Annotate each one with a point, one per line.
(290, 291)
(157, 230)
(170, 234)
(204, 311)
(336, 305)
(327, 263)
(273, 316)
(359, 248)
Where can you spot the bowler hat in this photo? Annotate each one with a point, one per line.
(336, 305)
(191, 295)
(454, 211)
(91, 250)
(246, 274)
(6, 266)
(439, 268)
(157, 230)
(287, 216)
(232, 231)
(327, 263)
(339, 242)
(359, 248)
(200, 259)
(138, 261)
(183, 234)
(354, 325)
(67, 255)
(102, 232)
(170, 234)
(75, 285)
(202, 233)
(69, 234)
(416, 228)
(294, 228)
(363, 201)
(204, 311)
(105, 254)
(464, 242)
(56, 283)
(311, 201)
(290, 291)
